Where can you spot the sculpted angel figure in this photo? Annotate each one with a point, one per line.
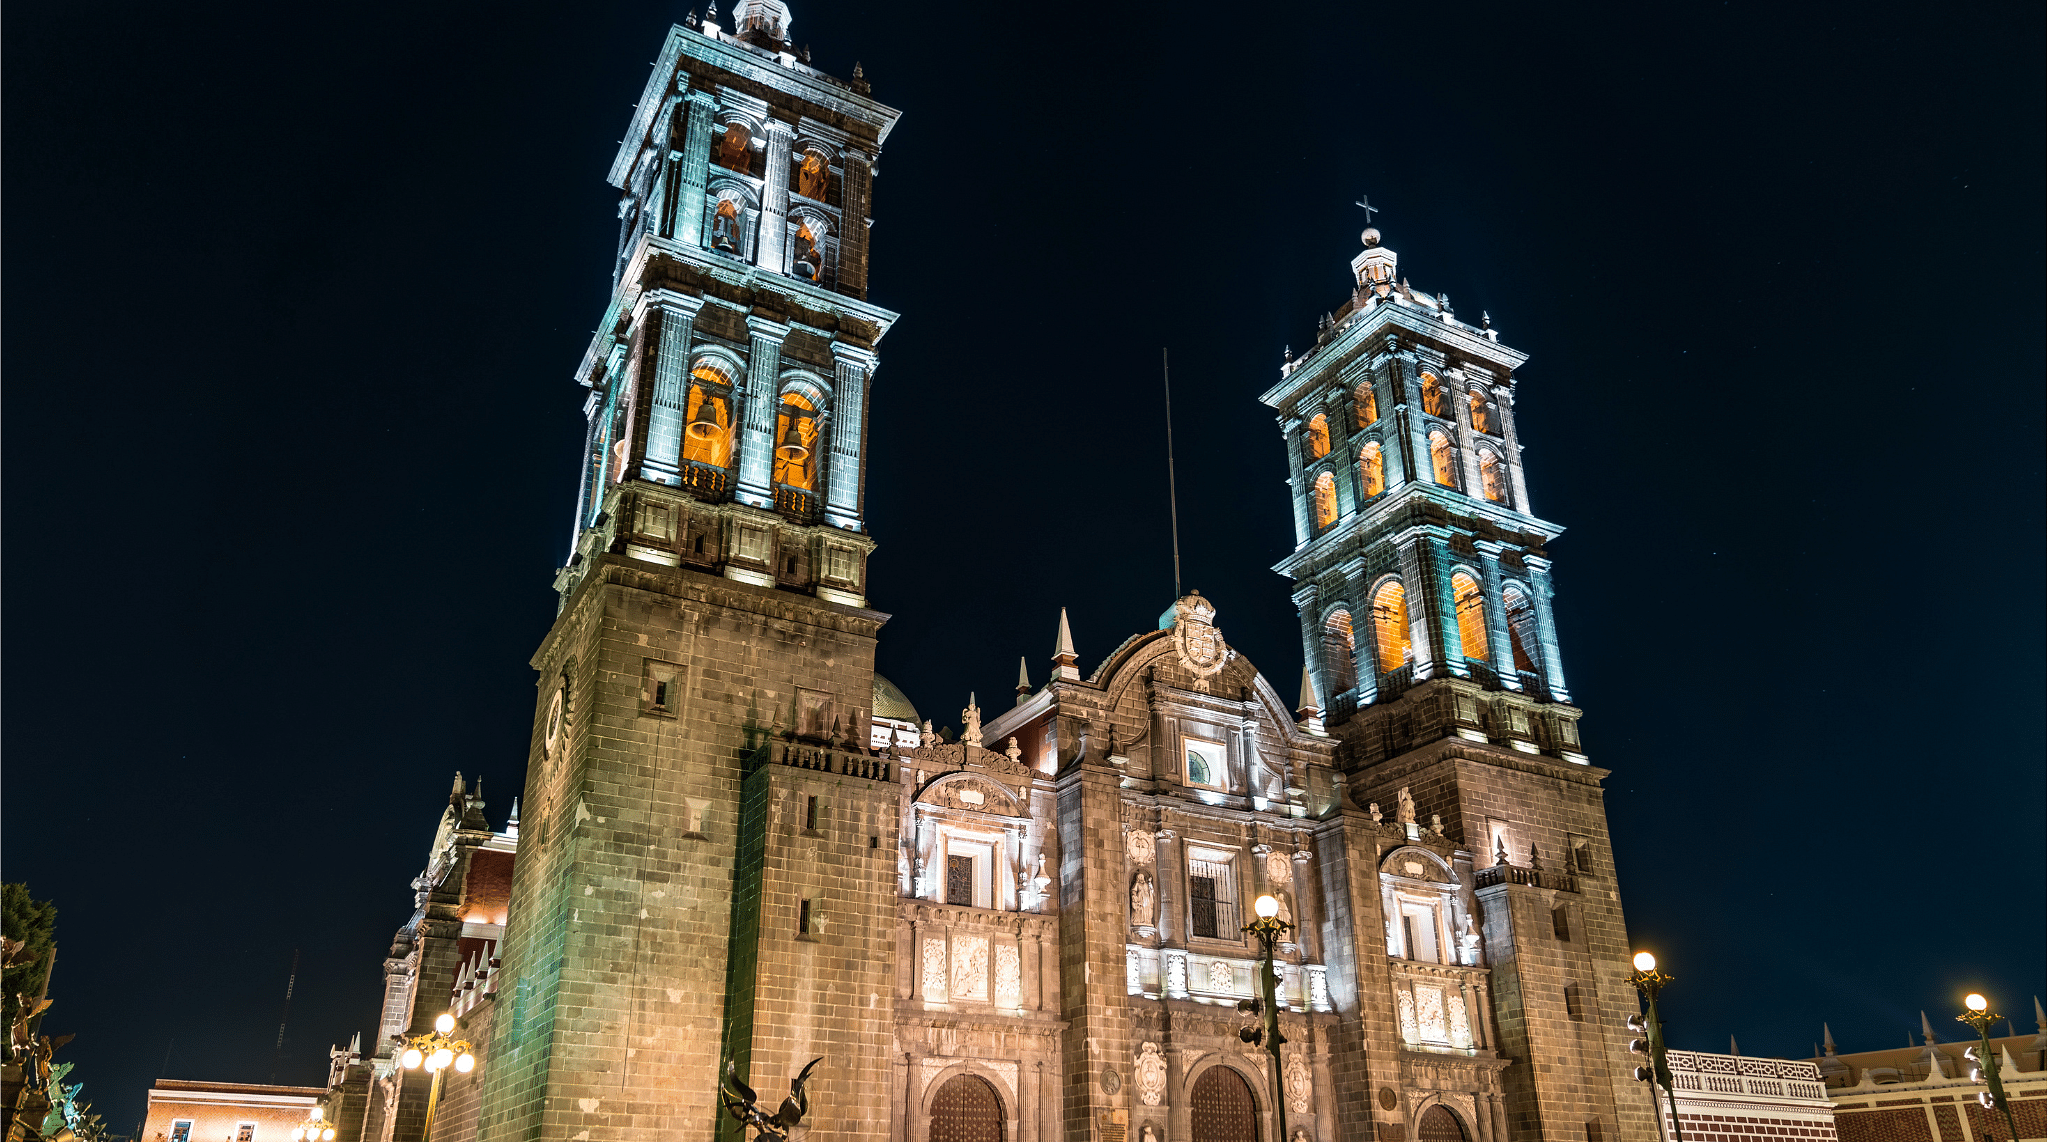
(1143, 898)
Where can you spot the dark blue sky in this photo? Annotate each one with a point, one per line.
(293, 296)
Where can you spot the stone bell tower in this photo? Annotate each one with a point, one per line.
(1424, 587)
(703, 822)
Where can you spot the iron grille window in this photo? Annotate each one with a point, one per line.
(1202, 905)
(960, 880)
(1211, 900)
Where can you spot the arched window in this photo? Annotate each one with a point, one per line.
(1439, 1125)
(1368, 406)
(1390, 625)
(813, 176)
(732, 148)
(796, 442)
(967, 1109)
(1326, 501)
(1521, 628)
(1471, 615)
(1493, 479)
(725, 227)
(1318, 437)
(806, 259)
(1477, 404)
(1220, 1108)
(707, 410)
(1432, 395)
(1372, 470)
(1440, 462)
(1338, 650)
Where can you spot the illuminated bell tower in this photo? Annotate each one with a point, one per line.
(1423, 586)
(704, 693)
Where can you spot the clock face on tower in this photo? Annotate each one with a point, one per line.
(552, 733)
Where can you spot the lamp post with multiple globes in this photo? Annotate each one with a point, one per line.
(315, 1128)
(1650, 981)
(1268, 928)
(1981, 1017)
(437, 1052)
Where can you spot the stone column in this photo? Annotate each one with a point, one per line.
(661, 179)
(1499, 641)
(1504, 397)
(675, 312)
(685, 222)
(772, 250)
(1444, 605)
(757, 432)
(1500, 1116)
(593, 408)
(1415, 462)
(1461, 420)
(1546, 629)
(1290, 430)
(1308, 604)
(1169, 873)
(1419, 590)
(856, 168)
(1311, 925)
(848, 444)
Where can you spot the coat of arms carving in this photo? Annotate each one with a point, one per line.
(1201, 646)
(1151, 1071)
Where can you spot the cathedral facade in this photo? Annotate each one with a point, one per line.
(742, 848)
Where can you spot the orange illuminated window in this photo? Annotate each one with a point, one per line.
(1372, 470)
(1521, 627)
(812, 177)
(730, 151)
(706, 411)
(725, 226)
(1338, 653)
(1390, 625)
(1326, 501)
(1492, 479)
(1440, 460)
(805, 259)
(1471, 615)
(796, 443)
(1432, 395)
(1318, 437)
(1368, 407)
(1477, 404)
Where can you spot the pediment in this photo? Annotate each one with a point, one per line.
(964, 789)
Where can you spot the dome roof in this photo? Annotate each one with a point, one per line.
(890, 702)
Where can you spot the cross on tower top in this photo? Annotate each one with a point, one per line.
(1370, 209)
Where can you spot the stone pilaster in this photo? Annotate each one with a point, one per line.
(1504, 398)
(1546, 627)
(856, 167)
(757, 432)
(690, 166)
(848, 445)
(773, 247)
(674, 312)
(1499, 641)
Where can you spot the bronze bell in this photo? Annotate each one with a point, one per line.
(792, 447)
(704, 426)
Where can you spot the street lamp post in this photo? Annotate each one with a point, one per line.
(315, 1128)
(1982, 1017)
(437, 1052)
(1268, 928)
(1650, 981)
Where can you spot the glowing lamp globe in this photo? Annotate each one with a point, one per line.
(327, 1135)
(1975, 1002)
(444, 1023)
(317, 1114)
(1645, 962)
(411, 1059)
(298, 1133)
(441, 1059)
(1266, 907)
(465, 1063)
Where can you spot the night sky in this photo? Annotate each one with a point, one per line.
(293, 295)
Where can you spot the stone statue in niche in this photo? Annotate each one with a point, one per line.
(1144, 898)
(1374, 809)
(1404, 807)
(1148, 1135)
(1436, 824)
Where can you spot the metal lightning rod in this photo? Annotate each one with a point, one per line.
(1172, 490)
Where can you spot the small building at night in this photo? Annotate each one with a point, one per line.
(189, 1110)
(1925, 1093)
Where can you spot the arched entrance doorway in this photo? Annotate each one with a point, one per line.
(966, 1109)
(1222, 1108)
(1439, 1125)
